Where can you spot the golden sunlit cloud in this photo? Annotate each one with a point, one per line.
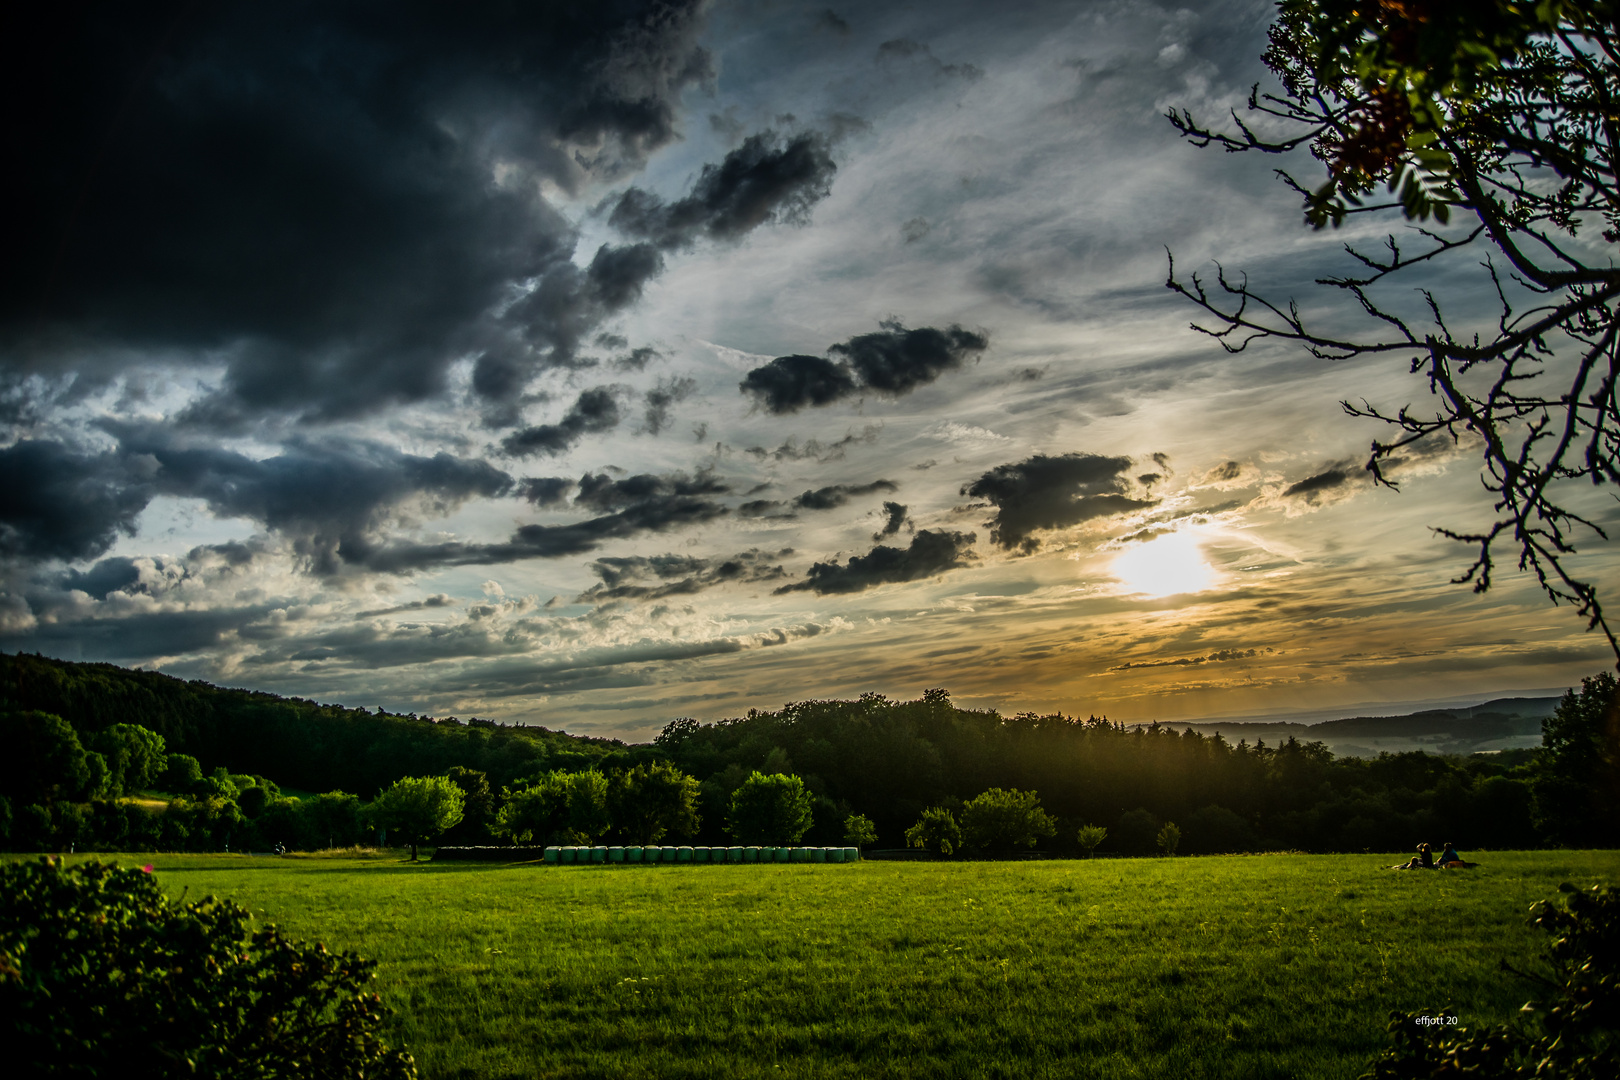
(1166, 566)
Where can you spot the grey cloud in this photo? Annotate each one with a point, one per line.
(437, 600)
(626, 578)
(835, 495)
(895, 515)
(903, 50)
(766, 179)
(914, 229)
(304, 189)
(814, 449)
(891, 361)
(1044, 492)
(828, 19)
(595, 410)
(661, 398)
(932, 552)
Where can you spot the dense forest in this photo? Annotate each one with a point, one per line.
(84, 739)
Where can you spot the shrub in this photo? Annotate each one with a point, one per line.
(936, 831)
(1089, 837)
(102, 975)
(1168, 837)
(1569, 1033)
(998, 820)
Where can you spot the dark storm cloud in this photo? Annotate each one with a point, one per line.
(835, 495)
(140, 636)
(895, 515)
(631, 506)
(931, 552)
(1046, 492)
(789, 383)
(593, 411)
(327, 497)
(602, 492)
(766, 179)
(824, 498)
(545, 490)
(116, 574)
(307, 190)
(641, 578)
(892, 361)
(1312, 486)
(897, 361)
(61, 504)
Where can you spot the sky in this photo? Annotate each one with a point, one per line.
(597, 365)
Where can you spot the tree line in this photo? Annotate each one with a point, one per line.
(80, 737)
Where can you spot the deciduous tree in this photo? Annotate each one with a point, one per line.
(774, 809)
(936, 830)
(652, 800)
(418, 808)
(1001, 819)
(1490, 126)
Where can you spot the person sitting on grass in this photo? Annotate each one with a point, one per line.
(1450, 860)
(1423, 860)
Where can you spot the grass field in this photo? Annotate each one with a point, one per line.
(1263, 966)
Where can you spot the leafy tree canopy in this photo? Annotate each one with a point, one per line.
(1000, 820)
(774, 809)
(418, 808)
(652, 800)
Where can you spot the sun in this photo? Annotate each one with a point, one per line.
(1166, 566)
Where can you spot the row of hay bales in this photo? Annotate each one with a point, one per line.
(574, 855)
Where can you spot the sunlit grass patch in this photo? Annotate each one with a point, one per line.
(1277, 966)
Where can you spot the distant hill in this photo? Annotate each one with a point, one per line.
(1498, 724)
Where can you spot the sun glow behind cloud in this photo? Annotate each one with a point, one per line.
(1165, 566)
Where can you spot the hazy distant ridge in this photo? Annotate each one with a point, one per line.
(1498, 724)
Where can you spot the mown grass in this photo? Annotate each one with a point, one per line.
(1273, 966)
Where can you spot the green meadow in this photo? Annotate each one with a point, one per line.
(1257, 966)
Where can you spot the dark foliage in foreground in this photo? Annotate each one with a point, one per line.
(102, 975)
(1572, 1032)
